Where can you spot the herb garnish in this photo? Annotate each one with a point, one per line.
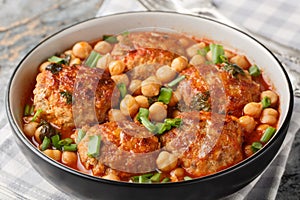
(54, 68)
(67, 95)
(233, 69)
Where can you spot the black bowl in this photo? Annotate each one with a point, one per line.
(86, 186)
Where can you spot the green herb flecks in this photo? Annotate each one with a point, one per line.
(54, 68)
(67, 95)
(233, 69)
(200, 102)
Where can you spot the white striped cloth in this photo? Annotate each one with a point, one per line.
(275, 19)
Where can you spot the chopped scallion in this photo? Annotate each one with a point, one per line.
(165, 95)
(175, 81)
(187, 178)
(256, 146)
(162, 127)
(217, 51)
(267, 134)
(145, 178)
(36, 115)
(110, 39)
(165, 180)
(156, 177)
(143, 118)
(66, 141)
(122, 89)
(27, 110)
(176, 122)
(203, 51)
(55, 140)
(71, 147)
(254, 70)
(266, 102)
(57, 60)
(92, 59)
(94, 145)
(80, 135)
(45, 144)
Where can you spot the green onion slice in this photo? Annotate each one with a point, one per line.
(165, 95)
(92, 60)
(94, 145)
(66, 141)
(80, 135)
(55, 141)
(145, 178)
(176, 122)
(143, 118)
(156, 177)
(175, 81)
(266, 102)
(27, 110)
(122, 89)
(110, 39)
(36, 115)
(187, 178)
(267, 134)
(217, 53)
(256, 146)
(57, 60)
(163, 127)
(165, 180)
(71, 147)
(254, 70)
(45, 144)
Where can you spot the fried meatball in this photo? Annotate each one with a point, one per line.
(73, 91)
(205, 143)
(211, 88)
(126, 147)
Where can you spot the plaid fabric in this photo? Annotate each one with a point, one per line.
(274, 19)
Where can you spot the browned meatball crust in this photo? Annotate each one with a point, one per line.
(205, 143)
(218, 88)
(125, 147)
(67, 93)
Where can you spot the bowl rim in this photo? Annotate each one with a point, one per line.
(21, 136)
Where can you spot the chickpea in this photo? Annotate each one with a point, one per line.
(248, 123)
(174, 98)
(69, 158)
(197, 60)
(150, 87)
(75, 61)
(184, 42)
(179, 63)
(129, 106)
(30, 128)
(53, 153)
(228, 54)
(142, 101)
(111, 177)
(82, 50)
(178, 172)
(104, 61)
(241, 61)
(122, 78)
(69, 52)
(115, 115)
(193, 50)
(166, 161)
(165, 74)
(272, 95)
(103, 47)
(253, 109)
(135, 87)
(158, 112)
(37, 134)
(175, 113)
(209, 56)
(262, 128)
(116, 67)
(269, 116)
(43, 66)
